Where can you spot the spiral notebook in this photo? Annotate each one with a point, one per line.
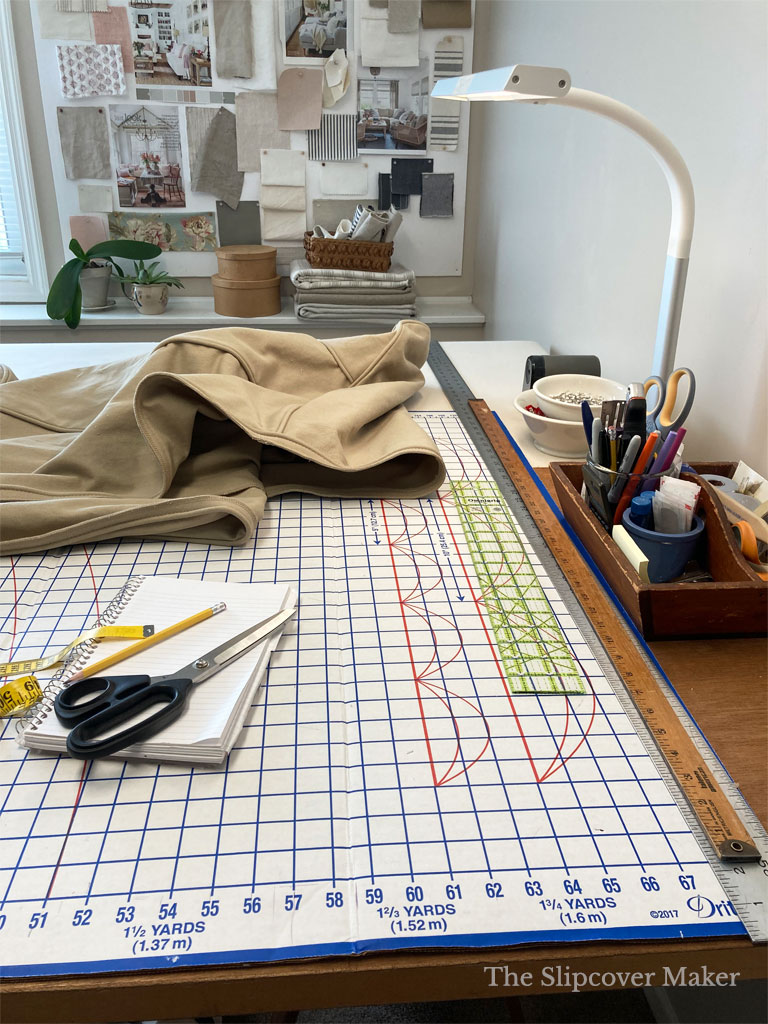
(208, 728)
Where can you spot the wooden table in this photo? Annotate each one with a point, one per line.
(723, 682)
(197, 64)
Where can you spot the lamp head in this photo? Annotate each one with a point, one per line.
(526, 83)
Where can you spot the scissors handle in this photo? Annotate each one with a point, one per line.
(113, 700)
(665, 420)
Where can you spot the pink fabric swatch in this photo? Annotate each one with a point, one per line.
(113, 27)
(88, 230)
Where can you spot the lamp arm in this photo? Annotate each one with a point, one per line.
(681, 227)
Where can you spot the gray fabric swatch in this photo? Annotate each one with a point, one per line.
(241, 226)
(84, 139)
(386, 197)
(199, 120)
(217, 171)
(436, 195)
(403, 15)
(335, 139)
(446, 13)
(233, 32)
(406, 176)
(257, 129)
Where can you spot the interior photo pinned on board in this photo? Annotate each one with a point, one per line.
(148, 155)
(171, 42)
(393, 108)
(311, 30)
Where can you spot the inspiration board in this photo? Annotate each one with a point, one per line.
(436, 758)
(158, 111)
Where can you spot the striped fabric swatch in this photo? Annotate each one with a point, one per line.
(444, 114)
(335, 139)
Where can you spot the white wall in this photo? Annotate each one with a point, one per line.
(573, 216)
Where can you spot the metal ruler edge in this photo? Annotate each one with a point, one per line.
(745, 883)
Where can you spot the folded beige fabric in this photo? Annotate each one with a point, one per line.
(188, 442)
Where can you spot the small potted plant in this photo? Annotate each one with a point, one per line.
(149, 287)
(83, 282)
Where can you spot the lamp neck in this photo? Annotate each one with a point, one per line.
(673, 165)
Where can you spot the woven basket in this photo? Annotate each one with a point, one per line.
(347, 253)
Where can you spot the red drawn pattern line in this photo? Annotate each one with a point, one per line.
(435, 664)
(86, 764)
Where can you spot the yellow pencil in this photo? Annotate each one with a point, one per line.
(148, 641)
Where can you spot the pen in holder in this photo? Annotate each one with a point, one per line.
(606, 489)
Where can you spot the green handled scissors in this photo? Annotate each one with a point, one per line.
(94, 707)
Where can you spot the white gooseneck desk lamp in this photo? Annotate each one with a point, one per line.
(528, 83)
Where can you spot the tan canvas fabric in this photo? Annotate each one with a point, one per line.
(188, 442)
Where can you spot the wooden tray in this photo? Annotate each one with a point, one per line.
(734, 604)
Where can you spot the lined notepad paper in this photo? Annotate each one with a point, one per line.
(216, 708)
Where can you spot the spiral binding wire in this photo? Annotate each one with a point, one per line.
(77, 659)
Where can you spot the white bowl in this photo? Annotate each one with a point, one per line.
(553, 437)
(598, 388)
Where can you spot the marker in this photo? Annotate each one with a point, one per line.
(634, 481)
(141, 645)
(626, 465)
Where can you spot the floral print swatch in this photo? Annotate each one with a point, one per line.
(173, 232)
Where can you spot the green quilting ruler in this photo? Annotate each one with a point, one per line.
(533, 648)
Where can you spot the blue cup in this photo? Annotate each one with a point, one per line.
(668, 553)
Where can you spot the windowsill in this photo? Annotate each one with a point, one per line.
(195, 312)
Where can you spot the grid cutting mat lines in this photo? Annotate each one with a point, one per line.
(532, 646)
(388, 789)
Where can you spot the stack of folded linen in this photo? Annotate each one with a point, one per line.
(323, 294)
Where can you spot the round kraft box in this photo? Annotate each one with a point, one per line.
(247, 262)
(246, 298)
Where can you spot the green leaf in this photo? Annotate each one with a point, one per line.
(124, 249)
(64, 290)
(72, 318)
(77, 249)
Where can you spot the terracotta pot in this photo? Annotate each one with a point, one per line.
(94, 284)
(150, 299)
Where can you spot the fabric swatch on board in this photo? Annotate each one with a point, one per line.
(375, 8)
(217, 171)
(403, 16)
(173, 231)
(284, 167)
(55, 24)
(278, 225)
(241, 226)
(379, 48)
(406, 175)
(88, 231)
(335, 139)
(75, 6)
(95, 198)
(284, 197)
(199, 120)
(335, 78)
(84, 138)
(112, 27)
(436, 195)
(345, 179)
(233, 32)
(444, 114)
(90, 69)
(328, 212)
(446, 13)
(386, 198)
(300, 99)
(256, 114)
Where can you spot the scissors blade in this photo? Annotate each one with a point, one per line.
(213, 661)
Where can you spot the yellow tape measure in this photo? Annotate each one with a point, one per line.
(16, 695)
(19, 694)
(14, 668)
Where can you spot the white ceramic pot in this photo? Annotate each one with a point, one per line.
(150, 299)
(94, 284)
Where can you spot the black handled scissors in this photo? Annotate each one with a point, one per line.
(116, 699)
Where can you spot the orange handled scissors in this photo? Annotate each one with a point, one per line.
(660, 415)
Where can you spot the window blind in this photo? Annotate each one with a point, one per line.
(11, 246)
